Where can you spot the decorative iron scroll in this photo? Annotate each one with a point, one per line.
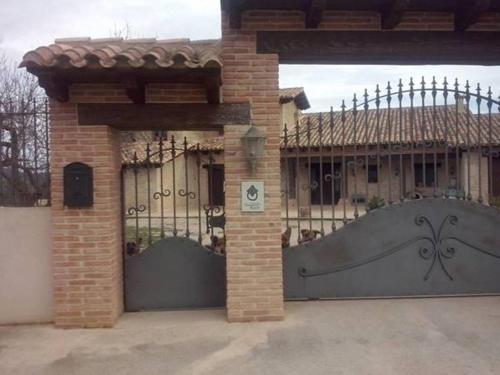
(216, 218)
(163, 186)
(437, 250)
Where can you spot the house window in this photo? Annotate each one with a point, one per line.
(372, 174)
(321, 174)
(429, 175)
(216, 184)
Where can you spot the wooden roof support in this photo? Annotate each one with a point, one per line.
(213, 84)
(393, 14)
(169, 116)
(314, 13)
(368, 47)
(236, 7)
(468, 13)
(54, 88)
(136, 90)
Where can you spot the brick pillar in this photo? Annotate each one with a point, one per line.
(254, 256)
(86, 243)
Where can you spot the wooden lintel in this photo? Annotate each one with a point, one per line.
(164, 116)
(371, 47)
(54, 87)
(393, 14)
(468, 13)
(314, 13)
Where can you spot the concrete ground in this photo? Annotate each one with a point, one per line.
(415, 336)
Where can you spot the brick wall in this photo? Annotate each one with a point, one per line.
(254, 268)
(86, 243)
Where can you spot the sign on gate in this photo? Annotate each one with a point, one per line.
(252, 196)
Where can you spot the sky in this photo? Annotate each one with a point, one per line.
(27, 24)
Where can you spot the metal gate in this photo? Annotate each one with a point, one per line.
(394, 197)
(174, 233)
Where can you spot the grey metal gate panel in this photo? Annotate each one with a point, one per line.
(175, 273)
(427, 247)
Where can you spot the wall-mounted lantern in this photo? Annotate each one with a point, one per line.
(253, 144)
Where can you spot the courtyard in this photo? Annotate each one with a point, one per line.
(403, 336)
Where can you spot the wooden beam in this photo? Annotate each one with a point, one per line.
(369, 47)
(393, 14)
(213, 84)
(54, 87)
(314, 13)
(468, 12)
(164, 116)
(236, 7)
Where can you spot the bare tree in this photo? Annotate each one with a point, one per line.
(23, 136)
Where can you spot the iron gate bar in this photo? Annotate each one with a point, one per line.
(287, 177)
(402, 173)
(446, 156)
(377, 104)
(343, 179)
(332, 167)
(297, 148)
(467, 100)
(321, 177)
(479, 138)
(420, 139)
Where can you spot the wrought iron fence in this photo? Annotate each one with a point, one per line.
(24, 154)
(410, 143)
(173, 189)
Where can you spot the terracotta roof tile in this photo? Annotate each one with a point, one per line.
(421, 130)
(120, 53)
(296, 94)
(134, 145)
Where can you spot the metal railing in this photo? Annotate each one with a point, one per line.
(170, 191)
(24, 154)
(411, 143)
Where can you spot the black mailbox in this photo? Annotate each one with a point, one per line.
(78, 185)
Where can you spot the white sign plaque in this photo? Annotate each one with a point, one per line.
(252, 196)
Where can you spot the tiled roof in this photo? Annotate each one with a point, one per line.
(120, 53)
(296, 94)
(396, 128)
(135, 143)
(441, 126)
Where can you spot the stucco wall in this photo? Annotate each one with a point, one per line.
(25, 266)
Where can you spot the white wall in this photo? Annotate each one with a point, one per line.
(25, 265)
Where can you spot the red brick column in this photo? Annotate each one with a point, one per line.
(254, 257)
(87, 254)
